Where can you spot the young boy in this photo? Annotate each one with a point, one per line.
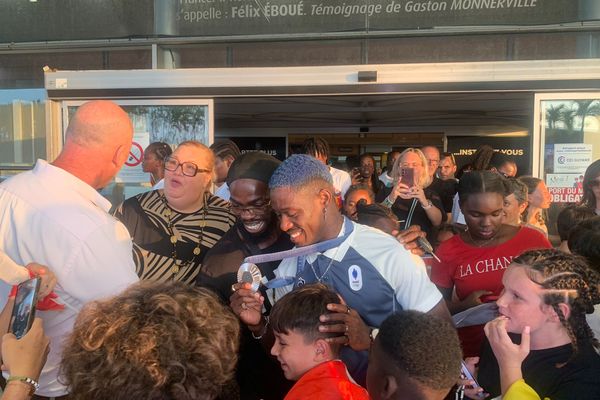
(304, 353)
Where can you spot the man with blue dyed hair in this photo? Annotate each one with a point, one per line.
(370, 270)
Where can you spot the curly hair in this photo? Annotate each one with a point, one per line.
(154, 341)
(565, 278)
(424, 346)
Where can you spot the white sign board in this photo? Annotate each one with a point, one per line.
(132, 171)
(572, 158)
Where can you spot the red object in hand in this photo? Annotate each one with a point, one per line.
(45, 304)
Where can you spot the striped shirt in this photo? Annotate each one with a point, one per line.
(147, 217)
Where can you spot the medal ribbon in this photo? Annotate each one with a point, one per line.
(301, 253)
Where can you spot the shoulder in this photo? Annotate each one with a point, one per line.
(532, 236)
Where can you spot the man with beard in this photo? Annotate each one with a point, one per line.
(372, 273)
(256, 231)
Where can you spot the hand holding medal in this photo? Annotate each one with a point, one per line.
(246, 302)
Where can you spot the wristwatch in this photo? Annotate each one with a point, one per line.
(33, 385)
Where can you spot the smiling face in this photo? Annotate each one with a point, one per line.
(432, 154)
(353, 198)
(301, 212)
(367, 166)
(250, 203)
(521, 302)
(541, 197)
(483, 214)
(295, 355)
(186, 193)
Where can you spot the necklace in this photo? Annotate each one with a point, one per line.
(177, 263)
(320, 278)
(482, 242)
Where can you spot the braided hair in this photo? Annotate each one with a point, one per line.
(567, 279)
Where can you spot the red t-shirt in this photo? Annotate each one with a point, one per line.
(468, 268)
(327, 381)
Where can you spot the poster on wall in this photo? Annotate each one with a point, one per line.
(572, 158)
(132, 171)
(565, 188)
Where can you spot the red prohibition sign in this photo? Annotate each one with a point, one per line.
(135, 159)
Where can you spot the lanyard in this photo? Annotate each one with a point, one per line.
(300, 253)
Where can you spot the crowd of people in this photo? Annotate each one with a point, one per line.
(240, 276)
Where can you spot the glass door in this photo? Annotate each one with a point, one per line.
(168, 121)
(567, 131)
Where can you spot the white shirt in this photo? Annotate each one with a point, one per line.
(51, 217)
(341, 180)
(223, 192)
(457, 215)
(159, 185)
(387, 180)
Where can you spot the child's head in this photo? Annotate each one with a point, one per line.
(415, 356)
(299, 346)
(377, 216)
(548, 289)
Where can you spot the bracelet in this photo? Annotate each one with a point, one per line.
(265, 329)
(428, 206)
(27, 380)
(387, 202)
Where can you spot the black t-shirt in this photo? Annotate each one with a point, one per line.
(401, 209)
(258, 375)
(578, 379)
(446, 189)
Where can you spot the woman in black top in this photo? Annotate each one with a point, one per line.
(413, 204)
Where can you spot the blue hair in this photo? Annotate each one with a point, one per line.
(298, 170)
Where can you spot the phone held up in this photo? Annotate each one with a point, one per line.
(23, 312)
(407, 176)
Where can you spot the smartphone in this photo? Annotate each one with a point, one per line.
(407, 176)
(23, 312)
(467, 374)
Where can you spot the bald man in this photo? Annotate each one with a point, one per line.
(174, 227)
(54, 215)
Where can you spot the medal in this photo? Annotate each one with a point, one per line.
(249, 273)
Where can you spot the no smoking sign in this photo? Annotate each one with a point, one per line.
(136, 154)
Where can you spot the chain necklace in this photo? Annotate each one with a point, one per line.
(177, 263)
(320, 278)
(483, 242)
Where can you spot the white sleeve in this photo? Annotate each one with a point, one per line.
(11, 272)
(457, 215)
(101, 266)
(415, 291)
(346, 182)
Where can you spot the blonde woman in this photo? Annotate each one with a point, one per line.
(416, 203)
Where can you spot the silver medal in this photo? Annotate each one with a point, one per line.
(249, 273)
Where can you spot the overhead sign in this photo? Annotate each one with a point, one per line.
(22, 21)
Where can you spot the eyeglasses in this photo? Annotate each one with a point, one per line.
(236, 209)
(188, 168)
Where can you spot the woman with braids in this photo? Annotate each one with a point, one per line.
(542, 338)
(366, 174)
(154, 162)
(539, 199)
(473, 261)
(591, 187)
(417, 204)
